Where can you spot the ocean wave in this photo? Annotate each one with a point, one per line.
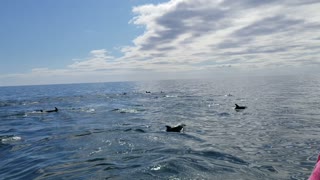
(123, 110)
(206, 154)
(17, 103)
(223, 114)
(5, 104)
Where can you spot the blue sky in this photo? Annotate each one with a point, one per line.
(58, 41)
(51, 33)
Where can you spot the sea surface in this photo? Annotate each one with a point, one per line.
(117, 130)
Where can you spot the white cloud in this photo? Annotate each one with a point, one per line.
(98, 60)
(196, 35)
(257, 33)
(181, 33)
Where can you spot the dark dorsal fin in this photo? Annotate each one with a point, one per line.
(176, 128)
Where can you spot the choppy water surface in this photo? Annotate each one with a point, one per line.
(117, 131)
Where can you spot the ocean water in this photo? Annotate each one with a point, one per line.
(117, 130)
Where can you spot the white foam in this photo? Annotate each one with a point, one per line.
(96, 151)
(36, 112)
(171, 96)
(127, 111)
(11, 139)
(91, 110)
(156, 168)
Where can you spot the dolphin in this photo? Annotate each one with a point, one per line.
(55, 110)
(240, 107)
(176, 128)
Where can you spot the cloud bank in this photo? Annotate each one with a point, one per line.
(207, 35)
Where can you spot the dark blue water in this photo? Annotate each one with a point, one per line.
(101, 133)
